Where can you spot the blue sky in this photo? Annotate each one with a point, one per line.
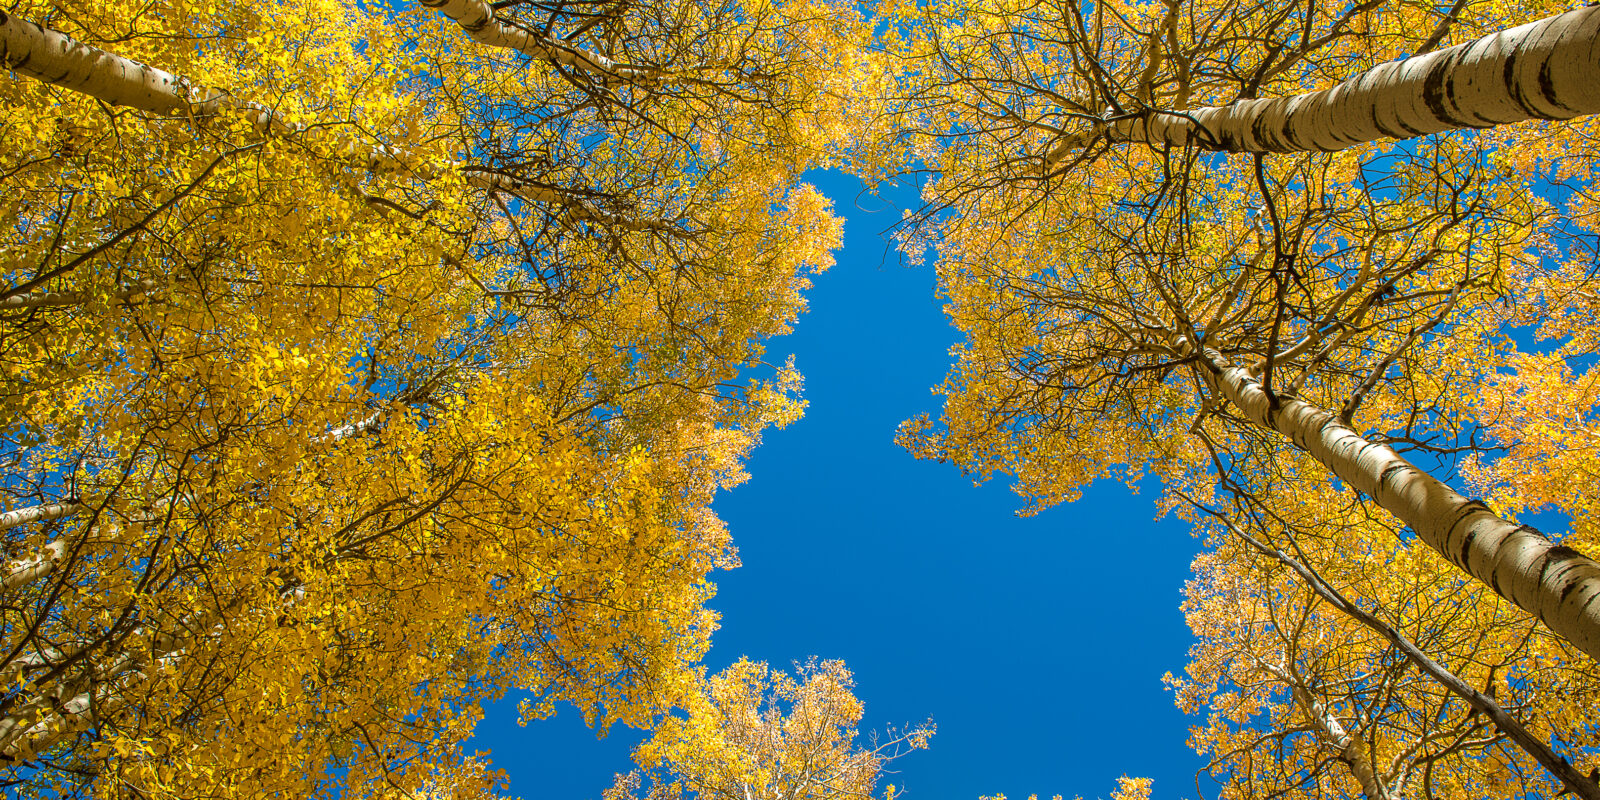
(1036, 645)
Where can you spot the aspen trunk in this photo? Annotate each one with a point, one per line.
(74, 705)
(477, 18)
(1553, 582)
(58, 59)
(39, 565)
(1352, 751)
(64, 708)
(40, 513)
(43, 722)
(1548, 69)
(37, 300)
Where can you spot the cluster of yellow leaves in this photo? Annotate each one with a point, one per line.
(1127, 789)
(1546, 416)
(1540, 405)
(752, 733)
(1067, 303)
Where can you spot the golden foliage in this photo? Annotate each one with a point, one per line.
(351, 443)
(752, 733)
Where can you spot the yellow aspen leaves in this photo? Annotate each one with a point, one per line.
(372, 371)
(753, 733)
(360, 363)
(1155, 273)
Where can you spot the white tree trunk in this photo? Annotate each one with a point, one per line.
(40, 513)
(68, 706)
(477, 18)
(1352, 751)
(41, 723)
(1548, 69)
(1553, 582)
(27, 570)
(35, 300)
(58, 59)
(72, 706)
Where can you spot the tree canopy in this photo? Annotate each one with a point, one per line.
(350, 382)
(367, 361)
(1182, 241)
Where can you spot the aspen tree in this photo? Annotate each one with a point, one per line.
(367, 371)
(1077, 259)
(1547, 69)
(1336, 660)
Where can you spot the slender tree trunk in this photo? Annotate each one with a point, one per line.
(58, 59)
(65, 707)
(27, 570)
(46, 720)
(477, 18)
(1548, 69)
(1352, 751)
(54, 57)
(37, 300)
(74, 705)
(1553, 582)
(1574, 781)
(40, 513)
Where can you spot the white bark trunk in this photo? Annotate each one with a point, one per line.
(1553, 582)
(344, 432)
(44, 561)
(1352, 751)
(71, 705)
(58, 59)
(55, 58)
(33, 300)
(27, 570)
(1548, 69)
(35, 728)
(39, 513)
(477, 18)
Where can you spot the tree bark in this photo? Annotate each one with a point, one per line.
(58, 59)
(74, 705)
(477, 18)
(39, 513)
(1548, 69)
(1563, 770)
(27, 570)
(1553, 582)
(1352, 751)
(37, 300)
